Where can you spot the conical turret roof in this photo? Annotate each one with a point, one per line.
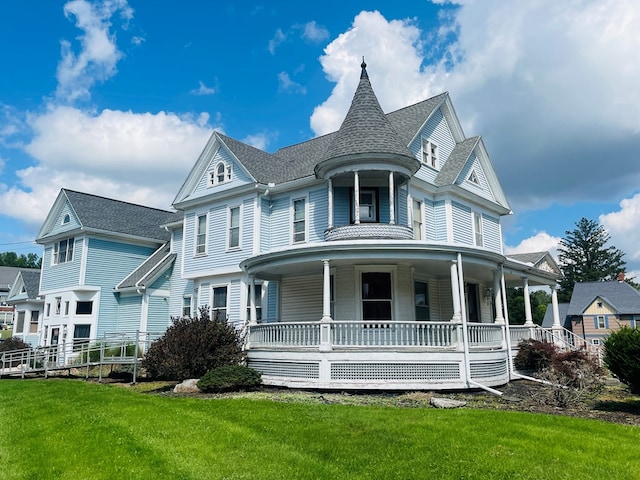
(366, 130)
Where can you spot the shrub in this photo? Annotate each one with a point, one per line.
(13, 343)
(622, 356)
(230, 378)
(534, 355)
(192, 346)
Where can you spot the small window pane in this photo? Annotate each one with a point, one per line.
(84, 308)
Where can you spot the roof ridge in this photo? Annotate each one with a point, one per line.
(67, 190)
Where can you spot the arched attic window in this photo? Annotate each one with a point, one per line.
(66, 219)
(220, 174)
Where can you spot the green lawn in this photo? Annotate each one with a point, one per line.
(6, 333)
(71, 429)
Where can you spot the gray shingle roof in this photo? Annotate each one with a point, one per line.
(620, 295)
(149, 269)
(408, 120)
(31, 280)
(455, 163)
(106, 214)
(8, 275)
(366, 129)
(563, 308)
(531, 258)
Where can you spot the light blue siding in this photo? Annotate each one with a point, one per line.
(125, 317)
(440, 224)
(164, 282)
(109, 262)
(318, 214)
(179, 286)
(483, 189)
(401, 207)
(59, 226)
(429, 220)
(234, 307)
(62, 275)
(462, 226)
(272, 302)
(238, 176)
(265, 226)
(341, 206)
(491, 233)
(280, 221)
(158, 314)
(437, 130)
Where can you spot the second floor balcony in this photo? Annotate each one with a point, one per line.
(368, 231)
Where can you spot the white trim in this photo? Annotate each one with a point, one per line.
(391, 269)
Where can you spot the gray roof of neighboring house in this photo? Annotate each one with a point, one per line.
(531, 258)
(8, 275)
(365, 128)
(620, 295)
(563, 308)
(159, 261)
(456, 161)
(108, 215)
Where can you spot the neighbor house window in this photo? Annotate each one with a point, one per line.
(220, 174)
(299, 220)
(601, 322)
(417, 220)
(376, 296)
(20, 322)
(84, 308)
(33, 324)
(219, 304)
(234, 227)
(421, 296)
(477, 229)
(595, 341)
(80, 336)
(201, 234)
(258, 302)
(58, 303)
(63, 251)
(429, 153)
(186, 306)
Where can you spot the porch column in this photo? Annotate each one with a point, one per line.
(497, 295)
(356, 199)
(325, 322)
(557, 328)
(253, 319)
(326, 291)
(528, 318)
(392, 202)
(330, 203)
(455, 293)
(409, 205)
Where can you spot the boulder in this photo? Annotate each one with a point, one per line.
(446, 403)
(188, 386)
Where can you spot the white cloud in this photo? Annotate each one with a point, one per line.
(314, 33)
(99, 54)
(278, 38)
(261, 140)
(623, 227)
(285, 84)
(203, 90)
(140, 158)
(540, 242)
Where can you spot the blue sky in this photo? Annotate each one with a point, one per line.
(118, 98)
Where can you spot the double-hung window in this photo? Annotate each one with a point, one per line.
(234, 227)
(186, 306)
(376, 296)
(601, 322)
(417, 220)
(429, 153)
(299, 220)
(63, 251)
(477, 229)
(201, 234)
(421, 296)
(219, 304)
(33, 324)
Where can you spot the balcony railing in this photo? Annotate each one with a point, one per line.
(358, 334)
(364, 231)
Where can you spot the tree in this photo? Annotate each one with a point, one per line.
(539, 300)
(584, 257)
(12, 259)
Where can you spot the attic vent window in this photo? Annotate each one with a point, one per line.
(220, 174)
(429, 153)
(473, 178)
(66, 219)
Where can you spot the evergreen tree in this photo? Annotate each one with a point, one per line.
(585, 257)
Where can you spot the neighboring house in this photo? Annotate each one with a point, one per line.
(371, 257)
(24, 297)
(7, 279)
(106, 268)
(599, 308)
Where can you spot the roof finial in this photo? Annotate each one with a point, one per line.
(363, 74)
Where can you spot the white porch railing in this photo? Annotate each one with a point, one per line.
(346, 334)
